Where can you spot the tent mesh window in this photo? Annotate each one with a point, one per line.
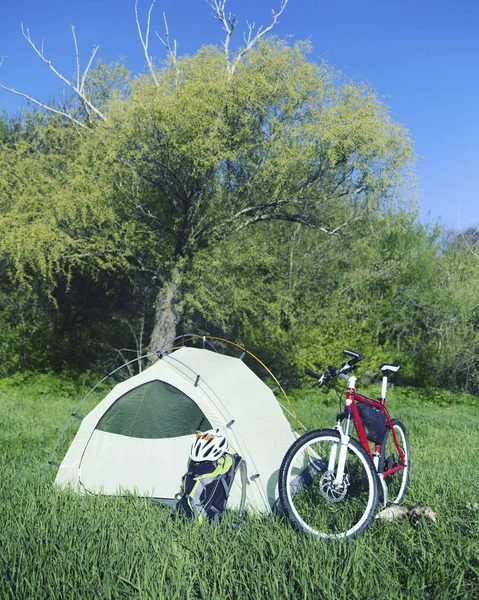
(154, 410)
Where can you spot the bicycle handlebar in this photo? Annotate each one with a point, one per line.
(340, 372)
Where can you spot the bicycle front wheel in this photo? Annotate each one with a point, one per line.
(312, 496)
(393, 468)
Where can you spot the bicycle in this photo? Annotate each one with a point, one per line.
(329, 483)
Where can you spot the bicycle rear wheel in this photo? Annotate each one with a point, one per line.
(389, 458)
(310, 496)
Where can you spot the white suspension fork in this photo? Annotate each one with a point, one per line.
(343, 450)
(345, 437)
(332, 456)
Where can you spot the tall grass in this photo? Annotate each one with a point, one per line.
(56, 544)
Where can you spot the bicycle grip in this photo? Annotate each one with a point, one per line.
(312, 374)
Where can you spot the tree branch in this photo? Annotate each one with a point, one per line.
(77, 56)
(45, 106)
(251, 40)
(83, 77)
(275, 211)
(229, 23)
(78, 89)
(166, 41)
(161, 224)
(145, 40)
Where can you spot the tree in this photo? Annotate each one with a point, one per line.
(203, 148)
(301, 299)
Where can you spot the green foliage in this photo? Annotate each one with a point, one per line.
(53, 220)
(95, 325)
(215, 192)
(106, 81)
(204, 153)
(4, 129)
(186, 160)
(391, 289)
(43, 385)
(24, 332)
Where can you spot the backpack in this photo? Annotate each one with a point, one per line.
(374, 422)
(206, 485)
(304, 479)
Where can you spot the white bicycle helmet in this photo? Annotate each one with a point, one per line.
(209, 445)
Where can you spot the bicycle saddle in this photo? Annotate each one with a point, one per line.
(385, 368)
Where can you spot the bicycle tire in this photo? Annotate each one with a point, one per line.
(309, 495)
(397, 482)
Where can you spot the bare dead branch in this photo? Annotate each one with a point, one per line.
(83, 77)
(77, 55)
(251, 40)
(251, 26)
(145, 40)
(78, 89)
(45, 106)
(2, 59)
(229, 22)
(166, 42)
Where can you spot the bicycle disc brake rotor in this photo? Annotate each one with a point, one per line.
(331, 491)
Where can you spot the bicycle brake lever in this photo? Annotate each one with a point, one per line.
(323, 379)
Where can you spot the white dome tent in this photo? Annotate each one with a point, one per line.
(137, 439)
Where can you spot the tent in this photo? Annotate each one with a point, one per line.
(138, 437)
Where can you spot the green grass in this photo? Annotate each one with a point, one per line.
(55, 544)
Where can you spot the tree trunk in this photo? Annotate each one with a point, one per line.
(167, 316)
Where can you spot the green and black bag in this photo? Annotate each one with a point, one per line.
(206, 487)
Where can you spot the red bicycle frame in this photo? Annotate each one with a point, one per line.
(351, 398)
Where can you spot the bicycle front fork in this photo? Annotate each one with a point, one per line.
(343, 451)
(343, 448)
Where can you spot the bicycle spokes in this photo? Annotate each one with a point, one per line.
(394, 461)
(323, 505)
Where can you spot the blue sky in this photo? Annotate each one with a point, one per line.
(421, 56)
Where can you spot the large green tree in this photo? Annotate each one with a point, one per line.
(201, 149)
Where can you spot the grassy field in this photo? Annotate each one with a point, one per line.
(58, 545)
